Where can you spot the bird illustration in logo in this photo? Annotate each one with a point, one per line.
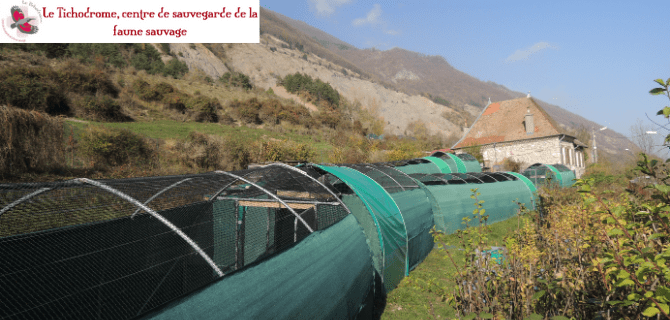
(22, 22)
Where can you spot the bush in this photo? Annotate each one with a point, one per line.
(214, 152)
(110, 53)
(175, 69)
(103, 108)
(30, 141)
(512, 165)
(79, 79)
(247, 111)
(236, 79)
(317, 89)
(146, 57)
(273, 111)
(206, 108)
(33, 88)
(146, 92)
(113, 147)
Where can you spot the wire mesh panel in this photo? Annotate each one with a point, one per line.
(117, 249)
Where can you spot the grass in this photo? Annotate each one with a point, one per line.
(419, 297)
(170, 129)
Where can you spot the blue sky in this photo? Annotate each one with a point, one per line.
(597, 59)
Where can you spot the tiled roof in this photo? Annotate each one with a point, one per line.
(504, 121)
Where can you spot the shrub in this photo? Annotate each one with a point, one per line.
(146, 57)
(273, 111)
(79, 79)
(166, 48)
(247, 111)
(33, 88)
(110, 52)
(317, 89)
(29, 141)
(113, 147)
(214, 152)
(175, 69)
(205, 108)
(103, 108)
(145, 91)
(236, 79)
(510, 164)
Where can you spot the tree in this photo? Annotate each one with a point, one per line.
(644, 141)
(666, 110)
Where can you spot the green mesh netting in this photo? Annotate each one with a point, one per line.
(558, 174)
(567, 176)
(388, 219)
(459, 163)
(455, 205)
(325, 276)
(417, 213)
(428, 167)
(470, 162)
(531, 187)
(441, 164)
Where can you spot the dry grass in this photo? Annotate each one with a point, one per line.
(29, 141)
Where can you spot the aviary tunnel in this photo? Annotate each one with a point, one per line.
(281, 242)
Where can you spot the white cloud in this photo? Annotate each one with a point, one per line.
(373, 17)
(392, 32)
(523, 54)
(327, 7)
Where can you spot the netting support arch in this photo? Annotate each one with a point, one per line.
(268, 193)
(153, 213)
(22, 199)
(384, 173)
(283, 165)
(158, 194)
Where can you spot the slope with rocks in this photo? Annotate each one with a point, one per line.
(416, 73)
(265, 63)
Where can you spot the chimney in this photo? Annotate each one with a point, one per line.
(530, 124)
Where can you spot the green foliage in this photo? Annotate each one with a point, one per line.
(113, 147)
(317, 89)
(146, 57)
(175, 69)
(166, 48)
(103, 108)
(664, 89)
(236, 79)
(110, 53)
(35, 88)
(205, 107)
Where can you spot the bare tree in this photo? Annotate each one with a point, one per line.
(641, 138)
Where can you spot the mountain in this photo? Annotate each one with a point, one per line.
(404, 88)
(414, 73)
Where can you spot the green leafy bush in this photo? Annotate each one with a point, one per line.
(317, 89)
(206, 108)
(146, 57)
(247, 111)
(33, 88)
(110, 52)
(113, 147)
(236, 79)
(103, 108)
(145, 91)
(175, 69)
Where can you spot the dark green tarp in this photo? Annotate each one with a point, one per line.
(325, 276)
(417, 213)
(388, 221)
(455, 203)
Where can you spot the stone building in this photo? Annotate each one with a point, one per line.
(519, 129)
